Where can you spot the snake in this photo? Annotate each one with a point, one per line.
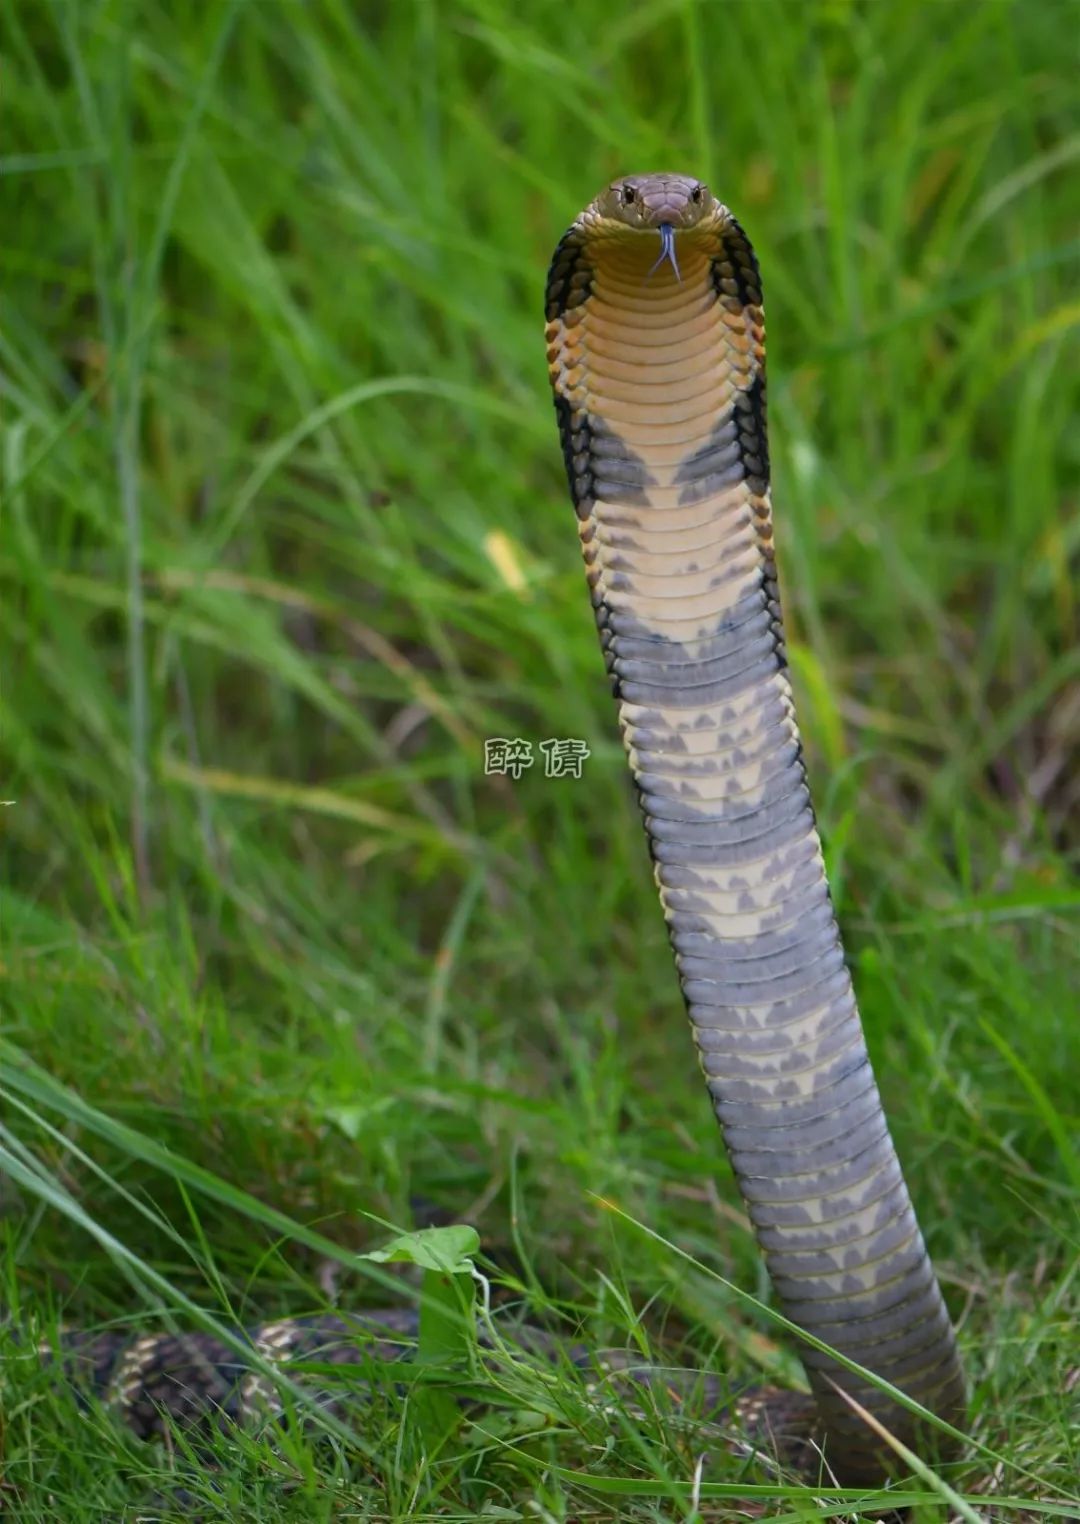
(655, 342)
(656, 349)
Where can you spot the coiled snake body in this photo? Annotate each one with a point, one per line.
(656, 348)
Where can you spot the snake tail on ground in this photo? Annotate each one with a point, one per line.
(656, 347)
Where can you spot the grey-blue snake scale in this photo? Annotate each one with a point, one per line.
(656, 349)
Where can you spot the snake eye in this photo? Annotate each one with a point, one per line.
(628, 195)
(696, 194)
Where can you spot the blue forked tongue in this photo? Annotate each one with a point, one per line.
(667, 249)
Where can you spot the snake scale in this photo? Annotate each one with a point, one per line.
(656, 350)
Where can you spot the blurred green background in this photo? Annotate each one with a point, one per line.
(285, 537)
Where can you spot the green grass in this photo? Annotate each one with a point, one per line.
(277, 957)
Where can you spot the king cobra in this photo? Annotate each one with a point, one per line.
(656, 348)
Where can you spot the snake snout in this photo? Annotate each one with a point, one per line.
(677, 201)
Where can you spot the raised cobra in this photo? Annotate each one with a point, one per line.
(656, 346)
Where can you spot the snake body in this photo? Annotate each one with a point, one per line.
(656, 349)
(658, 371)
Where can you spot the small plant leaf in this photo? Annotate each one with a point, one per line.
(447, 1250)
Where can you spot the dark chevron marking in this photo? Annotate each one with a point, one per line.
(592, 473)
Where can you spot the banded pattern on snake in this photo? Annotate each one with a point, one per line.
(656, 347)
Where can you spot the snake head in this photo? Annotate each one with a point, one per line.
(647, 203)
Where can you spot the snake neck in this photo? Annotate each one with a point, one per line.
(659, 383)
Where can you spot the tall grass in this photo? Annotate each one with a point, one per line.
(285, 538)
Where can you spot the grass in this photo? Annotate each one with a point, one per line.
(285, 538)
